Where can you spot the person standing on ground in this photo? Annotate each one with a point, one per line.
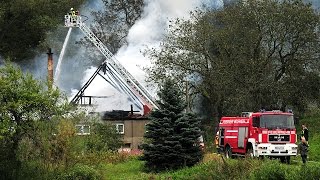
(303, 149)
(216, 142)
(305, 133)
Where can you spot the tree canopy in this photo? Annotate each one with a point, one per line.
(24, 24)
(171, 136)
(23, 101)
(111, 25)
(38, 129)
(245, 56)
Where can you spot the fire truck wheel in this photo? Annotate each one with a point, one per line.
(249, 153)
(261, 157)
(285, 159)
(228, 152)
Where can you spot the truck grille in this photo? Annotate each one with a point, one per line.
(279, 138)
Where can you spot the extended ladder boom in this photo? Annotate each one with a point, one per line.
(122, 75)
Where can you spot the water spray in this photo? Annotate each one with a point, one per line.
(58, 68)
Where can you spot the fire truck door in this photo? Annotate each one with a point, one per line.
(242, 134)
(221, 137)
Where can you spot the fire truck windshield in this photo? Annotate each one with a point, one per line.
(277, 121)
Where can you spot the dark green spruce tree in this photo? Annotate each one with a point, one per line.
(172, 135)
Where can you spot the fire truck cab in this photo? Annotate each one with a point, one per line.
(259, 134)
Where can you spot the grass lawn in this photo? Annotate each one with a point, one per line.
(212, 165)
(132, 169)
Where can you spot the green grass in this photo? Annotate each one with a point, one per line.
(132, 169)
(215, 169)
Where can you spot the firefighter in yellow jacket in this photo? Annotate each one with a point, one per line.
(72, 12)
(216, 142)
(73, 16)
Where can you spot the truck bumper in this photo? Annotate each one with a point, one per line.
(267, 149)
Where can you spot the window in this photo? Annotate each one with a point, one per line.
(127, 145)
(82, 129)
(120, 128)
(277, 121)
(256, 121)
(221, 137)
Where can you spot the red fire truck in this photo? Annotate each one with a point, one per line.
(258, 134)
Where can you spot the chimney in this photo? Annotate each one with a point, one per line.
(50, 68)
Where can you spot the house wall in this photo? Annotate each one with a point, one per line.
(133, 132)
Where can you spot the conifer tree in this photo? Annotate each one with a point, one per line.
(172, 135)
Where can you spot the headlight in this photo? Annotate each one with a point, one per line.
(294, 148)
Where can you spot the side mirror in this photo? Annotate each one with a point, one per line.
(296, 121)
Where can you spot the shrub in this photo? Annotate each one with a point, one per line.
(229, 169)
(310, 171)
(81, 172)
(236, 169)
(103, 137)
(95, 158)
(274, 170)
(201, 171)
(314, 154)
(37, 170)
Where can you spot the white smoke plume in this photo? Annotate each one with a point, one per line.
(148, 31)
(75, 66)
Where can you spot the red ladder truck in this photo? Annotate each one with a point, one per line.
(258, 134)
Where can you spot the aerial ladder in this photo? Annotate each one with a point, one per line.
(116, 74)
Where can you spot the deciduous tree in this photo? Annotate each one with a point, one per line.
(246, 55)
(24, 24)
(24, 100)
(112, 24)
(104, 137)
